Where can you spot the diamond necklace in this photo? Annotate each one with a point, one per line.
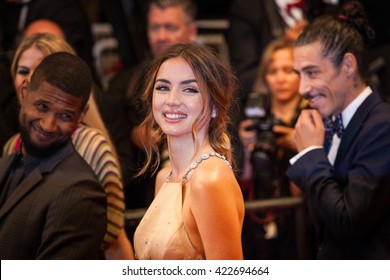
(195, 164)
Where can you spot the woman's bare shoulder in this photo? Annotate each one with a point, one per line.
(161, 178)
(211, 174)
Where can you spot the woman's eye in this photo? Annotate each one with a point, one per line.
(191, 90)
(161, 88)
(23, 72)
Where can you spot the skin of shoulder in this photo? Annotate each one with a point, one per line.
(215, 210)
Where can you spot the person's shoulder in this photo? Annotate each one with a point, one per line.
(161, 178)
(85, 134)
(213, 174)
(84, 129)
(163, 174)
(12, 145)
(384, 106)
(379, 112)
(6, 159)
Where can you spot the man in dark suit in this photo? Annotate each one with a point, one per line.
(51, 204)
(347, 188)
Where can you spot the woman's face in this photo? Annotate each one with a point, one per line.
(280, 76)
(26, 65)
(177, 99)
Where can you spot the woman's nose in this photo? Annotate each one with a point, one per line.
(172, 99)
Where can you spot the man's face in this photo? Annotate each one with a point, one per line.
(47, 118)
(167, 27)
(324, 85)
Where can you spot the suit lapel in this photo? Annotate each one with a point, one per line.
(5, 165)
(21, 191)
(35, 177)
(355, 125)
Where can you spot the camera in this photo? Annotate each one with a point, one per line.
(263, 157)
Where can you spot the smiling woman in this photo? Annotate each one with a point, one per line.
(198, 209)
(177, 101)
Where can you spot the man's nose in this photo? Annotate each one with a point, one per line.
(304, 87)
(162, 34)
(48, 123)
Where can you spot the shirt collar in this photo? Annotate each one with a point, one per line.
(29, 162)
(354, 105)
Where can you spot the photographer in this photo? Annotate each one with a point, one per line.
(267, 139)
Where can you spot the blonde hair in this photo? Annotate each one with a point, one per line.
(45, 42)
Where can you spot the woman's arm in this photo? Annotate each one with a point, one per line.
(218, 209)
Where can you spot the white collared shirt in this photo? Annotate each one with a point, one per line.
(347, 115)
(295, 15)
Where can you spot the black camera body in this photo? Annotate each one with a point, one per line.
(264, 155)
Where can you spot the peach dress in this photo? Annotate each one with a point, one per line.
(161, 234)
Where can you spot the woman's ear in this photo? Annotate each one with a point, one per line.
(22, 91)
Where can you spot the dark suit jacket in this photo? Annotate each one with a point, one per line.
(57, 212)
(253, 24)
(350, 201)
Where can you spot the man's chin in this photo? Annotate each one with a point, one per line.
(37, 150)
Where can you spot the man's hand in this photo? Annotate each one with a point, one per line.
(309, 130)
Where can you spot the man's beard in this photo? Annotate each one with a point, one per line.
(36, 150)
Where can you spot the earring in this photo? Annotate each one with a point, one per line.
(213, 113)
